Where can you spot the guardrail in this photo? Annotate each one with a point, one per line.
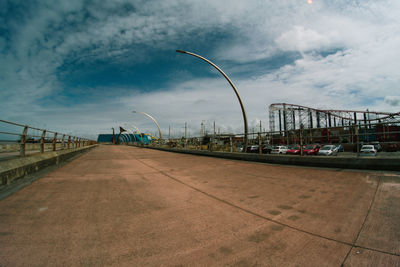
(27, 138)
(385, 135)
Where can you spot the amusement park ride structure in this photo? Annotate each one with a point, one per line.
(292, 117)
(290, 123)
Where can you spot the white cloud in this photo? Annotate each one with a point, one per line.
(362, 74)
(300, 39)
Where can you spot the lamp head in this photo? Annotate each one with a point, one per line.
(181, 51)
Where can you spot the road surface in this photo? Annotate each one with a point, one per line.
(128, 206)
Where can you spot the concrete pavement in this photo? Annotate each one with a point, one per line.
(127, 206)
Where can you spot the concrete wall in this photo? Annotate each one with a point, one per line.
(14, 169)
(387, 164)
(30, 147)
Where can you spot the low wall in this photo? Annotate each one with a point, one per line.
(363, 163)
(29, 147)
(14, 169)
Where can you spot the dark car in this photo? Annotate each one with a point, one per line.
(392, 148)
(252, 149)
(311, 149)
(266, 149)
(294, 150)
(340, 148)
(377, 146)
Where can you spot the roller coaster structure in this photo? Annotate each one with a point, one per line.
(290, 123)
(292, 117)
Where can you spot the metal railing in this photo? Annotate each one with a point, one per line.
(350, 137)
(23, 138)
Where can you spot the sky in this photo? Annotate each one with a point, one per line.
(82, 66)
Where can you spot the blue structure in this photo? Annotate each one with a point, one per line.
(138, 138)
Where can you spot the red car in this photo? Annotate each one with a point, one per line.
(293, 150)
(311, 149)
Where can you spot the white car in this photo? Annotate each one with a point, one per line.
(328, 150)
(368, 150)
(279, 150)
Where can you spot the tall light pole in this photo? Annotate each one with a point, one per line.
(234, 89)
(155, 122)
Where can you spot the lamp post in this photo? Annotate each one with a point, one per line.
(234, 89)
(155, 122)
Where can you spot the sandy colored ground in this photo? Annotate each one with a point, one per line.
(127, 206)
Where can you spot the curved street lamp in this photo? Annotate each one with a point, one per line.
(234, 89)
(155, 122)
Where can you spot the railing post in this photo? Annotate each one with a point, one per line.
(69, 142)
(55, 142)
(357, 140)
(23, 142)
(63, 141)
(42, 141)
(301, 139)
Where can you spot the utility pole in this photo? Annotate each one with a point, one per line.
(213, 139)
(185, 135)
(259, 140)
(214, 129)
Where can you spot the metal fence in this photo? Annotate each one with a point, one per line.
(387, 135)
(15, 137)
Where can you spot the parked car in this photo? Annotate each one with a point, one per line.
(311, 149)
(252, 149)
(377, 146)
(328, 150)
(267, 149)
(368, 150)
(392, 148)
(340, 148)
(294, 150)
(279, 150)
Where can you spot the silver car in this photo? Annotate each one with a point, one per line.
(368, 150)
(328, 150)
(279, 150)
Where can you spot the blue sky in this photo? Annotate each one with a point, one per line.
(82, 66)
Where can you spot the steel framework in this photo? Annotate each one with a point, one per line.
(291, 117)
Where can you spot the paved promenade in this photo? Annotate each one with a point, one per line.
(127, 206)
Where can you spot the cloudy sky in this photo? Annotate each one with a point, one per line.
(82, 66)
